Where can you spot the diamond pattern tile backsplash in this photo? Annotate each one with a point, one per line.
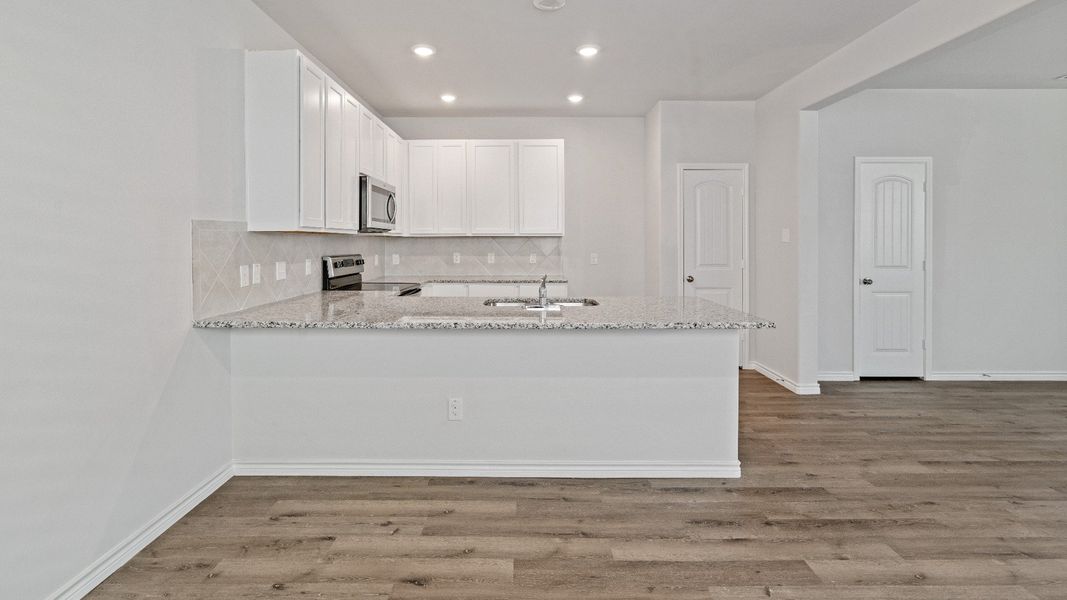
(221, 247)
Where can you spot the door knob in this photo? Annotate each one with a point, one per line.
(867, 281)
(690, 279)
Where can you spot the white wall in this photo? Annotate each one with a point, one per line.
(122, 121)
(604, 185)
(999, 198)
(688, 132)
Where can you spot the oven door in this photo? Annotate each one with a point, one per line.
(377, 205)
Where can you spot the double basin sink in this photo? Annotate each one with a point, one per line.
(532, 304)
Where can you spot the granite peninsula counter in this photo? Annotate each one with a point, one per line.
(361, 383)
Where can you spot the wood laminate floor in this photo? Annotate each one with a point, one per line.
(908, 490)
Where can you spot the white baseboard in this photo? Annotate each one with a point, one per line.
(805, 389)
(838, 376)
(107, 564)
(497, 468)
(1002, 376)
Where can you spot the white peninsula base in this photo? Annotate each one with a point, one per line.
(536, 403)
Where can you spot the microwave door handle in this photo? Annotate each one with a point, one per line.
(390, 208)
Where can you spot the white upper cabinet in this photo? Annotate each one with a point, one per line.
(422, 187)
(371, 145)
(540, 187)
(451, 186)
(302, 146)
(491, 186)
(312, 150)
(392, 158)
(485, 187)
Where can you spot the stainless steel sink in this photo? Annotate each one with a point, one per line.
(531, 303)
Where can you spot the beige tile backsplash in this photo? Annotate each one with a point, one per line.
(221, 247)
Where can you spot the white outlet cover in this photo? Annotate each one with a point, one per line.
(533, 259)
(396, 259)
(376, 260)
(256, 275)
(456, 258)
(308, 266)
(279, 271)
(455, 409)
(786, 235)
(594, 259)
(492, 257)
(244, 275)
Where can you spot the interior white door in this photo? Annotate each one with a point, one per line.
(891, 239)
(713, 237)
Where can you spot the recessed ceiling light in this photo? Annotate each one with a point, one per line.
(589, 50)
(449, 98)
(575, 98)
(549, 5)
(423, 50)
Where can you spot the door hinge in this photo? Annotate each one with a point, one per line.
(924, 344)
(924, 186)
(742, 263)
(924, 265)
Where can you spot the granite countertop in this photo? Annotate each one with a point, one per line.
(385, 310)
(422, 279)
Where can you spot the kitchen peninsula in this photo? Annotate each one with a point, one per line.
(631, 387)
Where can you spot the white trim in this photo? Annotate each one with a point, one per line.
(838, 376)
(1001, 376)
(800, 389)
(110, 562)
(495, 468)
(746, 270)
(928, 275)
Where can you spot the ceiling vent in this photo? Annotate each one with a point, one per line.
(549, 5)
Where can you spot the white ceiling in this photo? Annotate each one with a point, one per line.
(1025, 50)
(504, 57)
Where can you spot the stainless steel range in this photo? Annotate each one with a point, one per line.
(345, 273)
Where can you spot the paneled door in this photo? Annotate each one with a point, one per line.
(890, 286)
(713, 236)
(312, 145)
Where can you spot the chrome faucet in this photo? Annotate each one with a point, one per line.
(542, 292)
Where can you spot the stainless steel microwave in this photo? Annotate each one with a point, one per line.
(377, 205)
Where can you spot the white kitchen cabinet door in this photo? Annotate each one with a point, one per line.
(540, 187)
(371, 145)
(402, 205)
(334, 156)
(422, 187)
(392, 158)
(312, 145)
(451, 176)
(491, 186)
(555, 290)
(350, 110)
(493, 290)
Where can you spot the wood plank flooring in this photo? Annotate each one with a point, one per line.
(885, 489)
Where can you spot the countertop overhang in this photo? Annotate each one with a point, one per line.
(384, 310)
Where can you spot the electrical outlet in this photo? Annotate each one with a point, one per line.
(533, 259)
(256, 277)
(396, 259)
(279, 271)
(594, 259)
(785, 235)
(308, 266)
(244, 275)
(455, 258)
(491, 258)
(376, 260)
(455, 409)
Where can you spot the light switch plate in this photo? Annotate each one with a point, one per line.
(308, 266)
(786, 235)
(376, 260)
(455, 258)
(594, 259)
(244, 275)
(256, 276)
(491, 258)
(279, 270)
(396, 259)
(533, 259)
